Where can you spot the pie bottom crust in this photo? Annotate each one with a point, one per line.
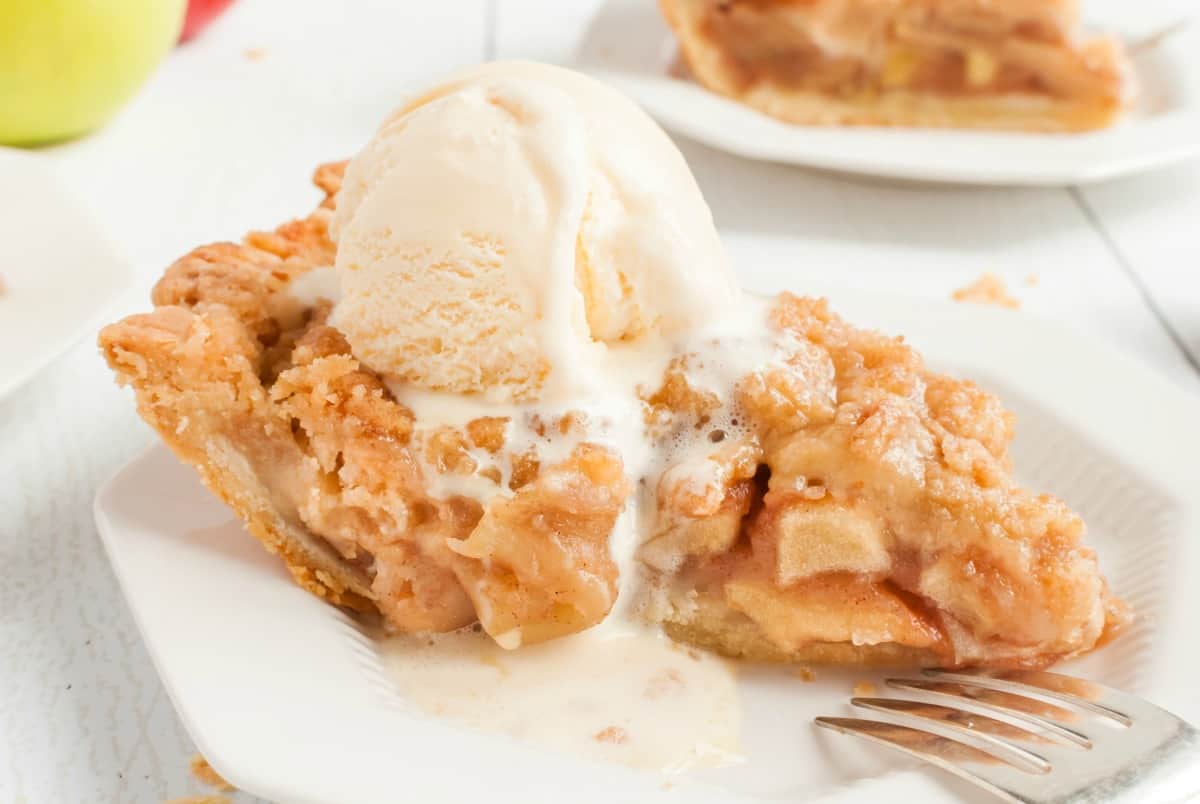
(710, 623)
(1012, 112)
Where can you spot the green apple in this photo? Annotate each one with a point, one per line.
(66, 66)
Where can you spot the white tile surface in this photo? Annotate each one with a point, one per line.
(1153, 224)
(217, 144)
(46, 303)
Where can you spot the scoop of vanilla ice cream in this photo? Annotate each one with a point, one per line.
(502, 229)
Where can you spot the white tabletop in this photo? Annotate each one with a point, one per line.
(220, 142)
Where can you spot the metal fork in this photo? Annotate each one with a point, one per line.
(1037, 737)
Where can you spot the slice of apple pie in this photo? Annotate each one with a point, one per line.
(861, 508)
(523, 389)
(1014, 64)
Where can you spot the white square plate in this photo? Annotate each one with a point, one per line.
(286, 697)
(630, 46)
(59, 274)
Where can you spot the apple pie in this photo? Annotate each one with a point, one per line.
(1014, 64)
(847, 504)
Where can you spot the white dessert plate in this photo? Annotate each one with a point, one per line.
(59, 275)
(630, 46)
(287, 699)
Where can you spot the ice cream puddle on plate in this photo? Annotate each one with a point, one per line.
(523, 244)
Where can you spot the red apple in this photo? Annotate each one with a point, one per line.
(199, 14)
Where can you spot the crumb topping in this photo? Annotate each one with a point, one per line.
(987, 289)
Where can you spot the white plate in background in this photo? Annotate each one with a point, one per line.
(59, 274)
(286, 697)
(630, 46)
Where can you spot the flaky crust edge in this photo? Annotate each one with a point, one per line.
(130, 346)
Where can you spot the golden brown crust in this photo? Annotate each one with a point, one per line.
(165, 356)
(939, 63)
(329, 178)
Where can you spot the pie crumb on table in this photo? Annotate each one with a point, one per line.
(987, 289)
(205, 773)
(201, 799)
(613, 734)
(865, 688)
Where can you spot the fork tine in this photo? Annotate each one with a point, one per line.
(962, 760)
(1085, 695)
(1115, 700)
(977, 731)
(990, 705)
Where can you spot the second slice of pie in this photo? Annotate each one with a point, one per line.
(1012, 64)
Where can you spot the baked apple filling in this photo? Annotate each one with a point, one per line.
(870, 506)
